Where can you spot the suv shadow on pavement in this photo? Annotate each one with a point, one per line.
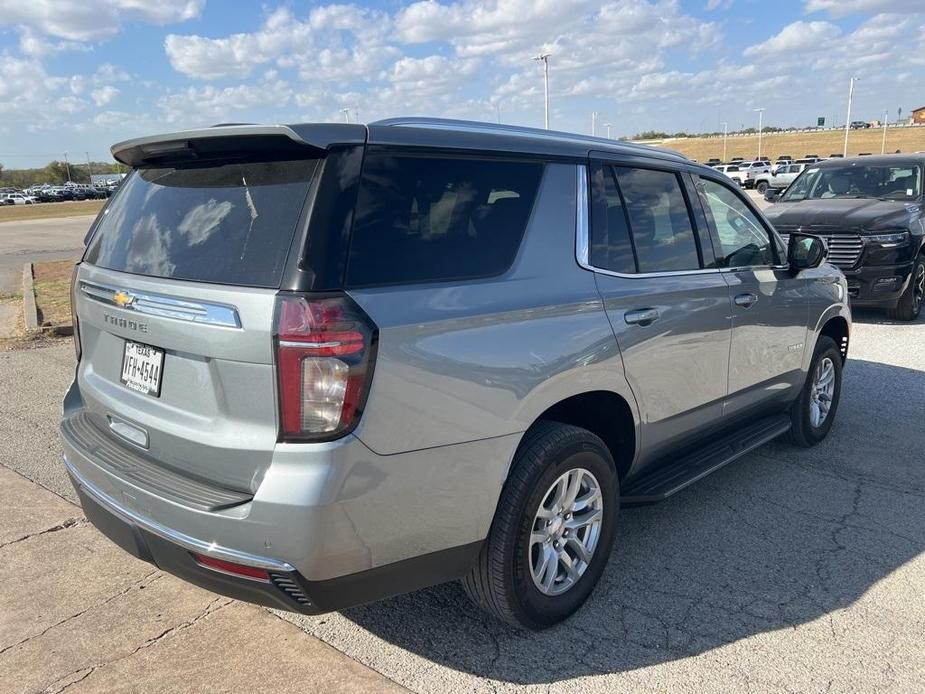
(874, 317)
(781, 538)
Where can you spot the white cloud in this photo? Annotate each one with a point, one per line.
(88, 20)
(104, 95)
(198, 106)
(797, 37)
(841, 8)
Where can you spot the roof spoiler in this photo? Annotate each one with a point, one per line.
(313, 139)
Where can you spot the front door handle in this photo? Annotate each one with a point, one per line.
(746, 300)
(642, 316)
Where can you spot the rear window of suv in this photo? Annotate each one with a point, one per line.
(226, 224)
(432, 218)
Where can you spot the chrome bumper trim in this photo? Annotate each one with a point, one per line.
(176, 537)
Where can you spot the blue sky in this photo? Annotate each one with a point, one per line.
(78, 75)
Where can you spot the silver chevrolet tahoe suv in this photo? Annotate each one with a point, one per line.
(320, 365)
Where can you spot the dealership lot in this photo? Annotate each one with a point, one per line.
(788, 570)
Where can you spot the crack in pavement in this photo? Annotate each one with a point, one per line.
(156, 575)
(85, 672)
(74, 522)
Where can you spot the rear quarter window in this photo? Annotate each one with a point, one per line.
(427, 218)
(225, 224)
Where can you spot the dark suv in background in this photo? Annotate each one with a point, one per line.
(871, 212)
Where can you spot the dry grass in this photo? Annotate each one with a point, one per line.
(798, 145)
(49, 210)
(52, 283)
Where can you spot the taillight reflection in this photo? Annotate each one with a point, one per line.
(324, 354)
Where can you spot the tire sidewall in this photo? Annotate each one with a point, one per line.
(825, 348)
(537, 609)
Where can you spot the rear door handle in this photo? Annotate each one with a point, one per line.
(642, 316)
(746, 300)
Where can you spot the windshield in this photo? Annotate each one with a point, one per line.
(883, 181)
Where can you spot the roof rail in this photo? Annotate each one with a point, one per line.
(516, 130)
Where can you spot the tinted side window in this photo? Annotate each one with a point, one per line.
(740, 240)
(422, 219)
(611, 248)
(663, 236)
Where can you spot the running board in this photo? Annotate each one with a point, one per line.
(674, 476)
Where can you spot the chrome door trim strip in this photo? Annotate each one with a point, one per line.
(151, 304)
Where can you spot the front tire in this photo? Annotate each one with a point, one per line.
(553, 530)
(910, 303)
(761, 187)
(813, 412)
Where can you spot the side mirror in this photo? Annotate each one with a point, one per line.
(805, 251)
(772, 194)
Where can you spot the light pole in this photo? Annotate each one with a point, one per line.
(607, 125)
(545, 58)
(760, 112)
(886, 116)
(848, 115)
(725, 135)
(68, 166)
(89, 168)
(346, 112)
(593, 123)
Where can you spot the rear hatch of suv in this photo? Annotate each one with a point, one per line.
(175, 300)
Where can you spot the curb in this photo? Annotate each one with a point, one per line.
(30, 311)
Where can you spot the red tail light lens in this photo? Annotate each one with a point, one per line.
(229, 567)
(324, 365)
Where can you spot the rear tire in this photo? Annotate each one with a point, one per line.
(761, 187)
(813, 412)
(504, 579)
(910, 303)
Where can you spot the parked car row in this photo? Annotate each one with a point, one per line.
(761, 175)
(55, 193)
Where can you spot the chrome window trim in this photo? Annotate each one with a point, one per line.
(583, 239)
(164, 306)
(209, 549)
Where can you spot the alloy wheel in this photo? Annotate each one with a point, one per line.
(565, 531)
(823, 390)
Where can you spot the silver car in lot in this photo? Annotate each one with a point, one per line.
(320, 364)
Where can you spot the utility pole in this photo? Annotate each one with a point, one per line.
(848, 116)
(886, 116)
(593, 123)
(68, 166)
(545, 58)
(725, 135)
(607, 125)
(89, 169)
(760, 128)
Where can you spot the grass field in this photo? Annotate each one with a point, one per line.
(52, 282)
(798, 145)
(49, 210)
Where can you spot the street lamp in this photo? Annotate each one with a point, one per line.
(725, 135)
(67, 164)
(346, 112)
(593, 123)
(760, 112)
(607, 125)
(886, 116)
(848, 116)
(545, 58)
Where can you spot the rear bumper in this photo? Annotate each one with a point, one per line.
(286, 588)
(878, 285)
(343, 523)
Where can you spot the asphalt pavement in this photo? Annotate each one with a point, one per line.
(35, 240)
(789, 570)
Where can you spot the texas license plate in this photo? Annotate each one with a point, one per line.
(142, 368)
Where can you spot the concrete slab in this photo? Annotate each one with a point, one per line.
(9, 313)
(77, 612)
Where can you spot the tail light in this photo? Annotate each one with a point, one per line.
(324, 360)
(74, 310)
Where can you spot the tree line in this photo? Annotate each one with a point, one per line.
(56, 173)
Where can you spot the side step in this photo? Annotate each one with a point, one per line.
(673, 476)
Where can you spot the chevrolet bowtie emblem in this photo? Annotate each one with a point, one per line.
(122, 299)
